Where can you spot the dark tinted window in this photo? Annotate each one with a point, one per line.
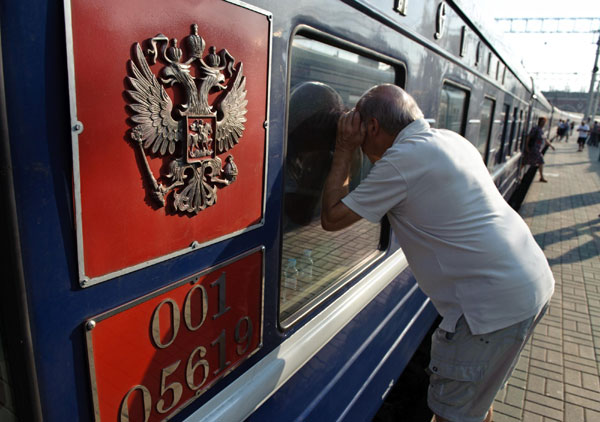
(503, 152)
(485, 127)
(453, 108)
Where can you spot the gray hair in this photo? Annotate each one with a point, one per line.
(391, 106)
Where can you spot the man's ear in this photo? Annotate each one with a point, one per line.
(372, 127)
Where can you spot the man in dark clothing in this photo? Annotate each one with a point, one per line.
(533, 147)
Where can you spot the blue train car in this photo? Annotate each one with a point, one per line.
(162, 166)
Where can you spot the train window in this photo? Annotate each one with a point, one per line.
(324, 80)
(504, 152)
(518, 141)
(512, 143)
(453, 108)
(520, 130)
(485, 128)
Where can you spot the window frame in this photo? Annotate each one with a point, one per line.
(352, 275)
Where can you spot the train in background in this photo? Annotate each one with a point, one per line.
(162, 168)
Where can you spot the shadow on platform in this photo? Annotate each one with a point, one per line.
(577, 254)
(563, 203)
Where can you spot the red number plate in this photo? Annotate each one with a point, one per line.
(151, 357)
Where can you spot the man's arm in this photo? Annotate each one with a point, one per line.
(335, 215)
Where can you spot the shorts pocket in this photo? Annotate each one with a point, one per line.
(457, 372)
(454, 385)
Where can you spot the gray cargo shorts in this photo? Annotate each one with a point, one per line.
(467, 371)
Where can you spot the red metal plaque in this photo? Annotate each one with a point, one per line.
(151, 357)
(211, 60)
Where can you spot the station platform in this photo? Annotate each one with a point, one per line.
(557, 377)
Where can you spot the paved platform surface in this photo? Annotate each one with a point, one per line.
(557, 377)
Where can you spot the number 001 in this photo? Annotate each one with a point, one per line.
(175, 316)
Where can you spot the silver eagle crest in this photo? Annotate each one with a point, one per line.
(194, 132)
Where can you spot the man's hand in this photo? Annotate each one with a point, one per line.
(350, 132)
(335, 215)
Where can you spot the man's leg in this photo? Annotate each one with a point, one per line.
(467, 370)
(541, 169)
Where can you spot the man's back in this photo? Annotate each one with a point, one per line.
(471, 253)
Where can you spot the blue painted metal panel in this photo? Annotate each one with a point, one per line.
(348, 377)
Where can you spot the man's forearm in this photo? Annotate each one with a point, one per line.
(333, 212)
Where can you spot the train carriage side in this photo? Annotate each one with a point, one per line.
(271, 318)
(348, 384)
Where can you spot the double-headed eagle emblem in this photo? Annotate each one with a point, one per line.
(194, 132)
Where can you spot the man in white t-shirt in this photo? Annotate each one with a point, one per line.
(470, 252)
(584, 131)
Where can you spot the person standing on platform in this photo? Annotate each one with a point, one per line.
(534, 147)
(469, 251)
(584, 131)
(571, 130)
(565, 131)
(595, 134)
(560, 130)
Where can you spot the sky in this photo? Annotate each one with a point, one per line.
(557, 61)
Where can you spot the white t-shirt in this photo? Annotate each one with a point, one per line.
(470, 252)
(583, 130)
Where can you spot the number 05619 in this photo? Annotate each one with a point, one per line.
(151, 357)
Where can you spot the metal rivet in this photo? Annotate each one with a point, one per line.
(265, 124)
(90, 325)
(195, 244)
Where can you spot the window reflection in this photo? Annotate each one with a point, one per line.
(325, 81)
(313, 114)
